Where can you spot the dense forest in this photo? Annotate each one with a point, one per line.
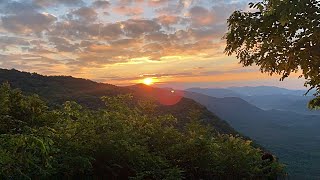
(124, 138)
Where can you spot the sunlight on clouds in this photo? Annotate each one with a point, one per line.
(140, 60)
(116, 41)
(168, 58)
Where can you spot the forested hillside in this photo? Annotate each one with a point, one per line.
(124, 138)
(58, 89)
(292, 136)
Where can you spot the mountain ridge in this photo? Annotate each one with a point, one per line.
(267, 99)
(293, 137)
(58, 89)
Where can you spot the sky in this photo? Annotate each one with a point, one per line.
(177, 43)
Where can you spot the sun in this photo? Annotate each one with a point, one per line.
(148, 81)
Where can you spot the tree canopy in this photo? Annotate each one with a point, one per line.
(281, 37)
(117, 142)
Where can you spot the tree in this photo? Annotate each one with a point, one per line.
(281, 37)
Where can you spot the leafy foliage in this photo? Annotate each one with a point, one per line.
(117, 142)
(280, 37)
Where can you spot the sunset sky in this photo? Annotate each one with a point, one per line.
(177, 43)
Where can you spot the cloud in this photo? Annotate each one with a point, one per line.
(7, 41)
(212, 33)
(186, 3)
(157, 37)
(115, 48)
(98, 60)
(73, 29)
(126, 43)
(28, 62)
(137, 27)
(201, 16)
(129, 2)
(168, 20)
(85, 14)
(48, 3)
(63, 45)
(70, 2)
(111, 31)
(78, 34)
(101, 4)
(173, 7)
(219, 74)
(128, 11)
(158, 2)
(155, 75)
(160, 75)
(26, 23)
(126, 50)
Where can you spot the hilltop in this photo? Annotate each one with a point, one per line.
(58, 89)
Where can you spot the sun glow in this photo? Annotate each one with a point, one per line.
(148, 81)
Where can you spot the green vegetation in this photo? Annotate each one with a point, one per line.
(281, 37)
(116, 142)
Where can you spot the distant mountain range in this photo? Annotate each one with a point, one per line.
(266, 90)
(266, 97)
(292, 134)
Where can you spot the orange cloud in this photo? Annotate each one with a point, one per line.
(167, 20)
(201, 16)
(128, 11)
(241, 76)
